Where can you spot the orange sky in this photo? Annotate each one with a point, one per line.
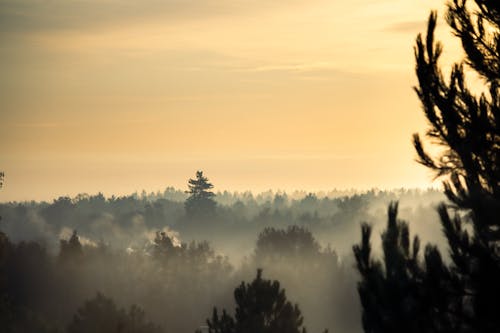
(118, 96)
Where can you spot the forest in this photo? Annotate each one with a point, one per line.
(177, 257)
(197, 260)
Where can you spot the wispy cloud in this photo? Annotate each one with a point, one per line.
(35, 125)
(299, 67)
(407, 26)
(310, 157)
(36, 15)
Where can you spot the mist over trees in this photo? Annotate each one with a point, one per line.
(132, 221)
(145, 252)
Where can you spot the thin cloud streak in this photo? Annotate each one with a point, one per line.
(36, 15)
(407, 26)
(35, 125)
(300, 67)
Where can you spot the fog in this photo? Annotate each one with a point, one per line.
(145, 250)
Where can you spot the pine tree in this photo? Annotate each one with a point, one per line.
(463, 296)
(200, 202)
(401, 293)
(71, 250)
(261, 306)
(162, 245)
(469, 127)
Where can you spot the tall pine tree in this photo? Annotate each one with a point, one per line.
(463, 296)
(200, 202)
(261, 306)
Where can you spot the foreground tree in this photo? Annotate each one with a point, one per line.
(463, 296)
(261, 306)
(200, 202)
(402, 293)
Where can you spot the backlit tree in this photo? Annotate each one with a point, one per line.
(200, 202)
(463, 296)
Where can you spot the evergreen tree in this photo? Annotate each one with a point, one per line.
(401, 293)
(101, 315)
(200, 202)
(71, 249)
(463, 296)
(469, 126)
(261, 306)
(163, 245)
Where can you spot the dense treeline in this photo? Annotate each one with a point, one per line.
(131, 221)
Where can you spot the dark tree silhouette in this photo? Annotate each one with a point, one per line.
(2, 175)
(163, 245)
(261, 306)
(100, 315)
(200, 202)
(463, 296)
(469, 127)
(400, 293)
(24, 272)
(71, 249)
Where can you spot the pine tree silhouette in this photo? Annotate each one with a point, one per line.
(71, 249)
(401, 293)
(261, 306)
(200, 202)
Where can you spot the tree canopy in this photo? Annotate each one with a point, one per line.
(200, 202)
(261, 306)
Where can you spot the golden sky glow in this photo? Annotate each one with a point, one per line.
(124, 95)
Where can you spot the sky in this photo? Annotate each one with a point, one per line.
(117, 96)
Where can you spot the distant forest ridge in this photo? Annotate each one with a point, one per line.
(130, 222)
(226, 197)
